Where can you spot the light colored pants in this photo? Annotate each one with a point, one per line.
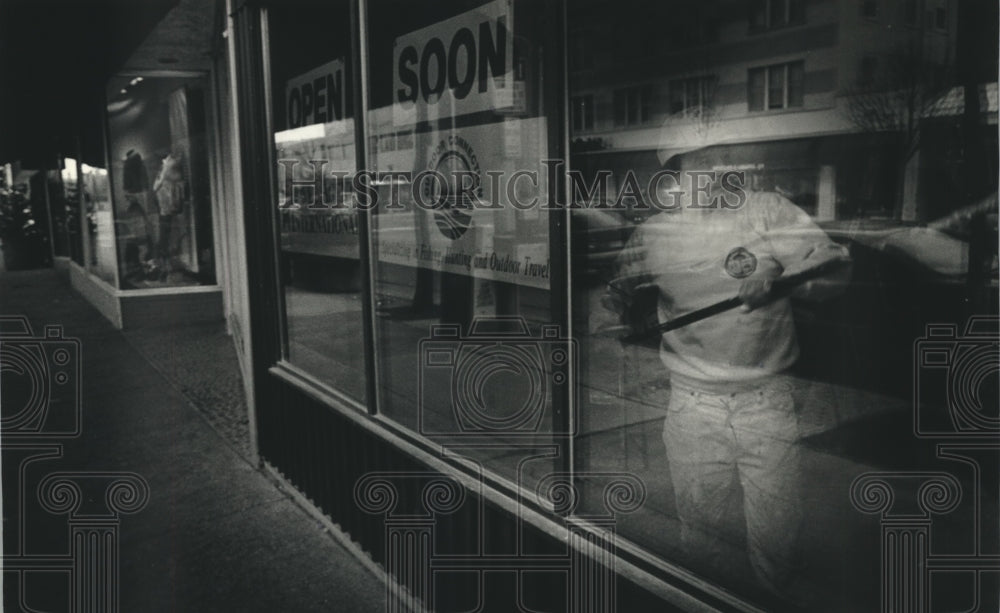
(714, 438)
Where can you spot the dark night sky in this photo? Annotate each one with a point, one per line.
(55, 57)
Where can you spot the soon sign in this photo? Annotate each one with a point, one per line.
(455, 66)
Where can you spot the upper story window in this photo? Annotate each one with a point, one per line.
(582, 111)
(767, 14)
(911, 12)
(633, 105)
(869, 9)
(691, 95)
(778, 86)
(939, 16)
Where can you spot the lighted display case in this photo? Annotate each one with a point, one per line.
(160, 182)
(145, 217)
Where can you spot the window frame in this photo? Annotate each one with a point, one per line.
(281, 363)
(702, 84)
(203, 78)
(786, 71)
(637, 98)
(274, 363)
(793, 14)
(556, 106)
(939, 16)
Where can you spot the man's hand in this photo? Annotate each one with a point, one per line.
(754, 292)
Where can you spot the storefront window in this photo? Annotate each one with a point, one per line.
(314, 137)
(60, 207)
(89, 218)
(99, 237)
(467, 352)
(824, 239)
(71, 195)
(160, 189)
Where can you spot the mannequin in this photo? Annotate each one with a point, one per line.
(135, 183)
(170, 189)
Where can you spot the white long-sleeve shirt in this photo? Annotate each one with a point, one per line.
(699, 258)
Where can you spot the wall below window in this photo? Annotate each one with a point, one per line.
(177, 308)
(99, 294)
(151, 308)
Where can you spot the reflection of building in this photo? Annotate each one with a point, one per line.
(801, 95)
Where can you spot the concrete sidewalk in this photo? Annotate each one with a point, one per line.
(215, 534)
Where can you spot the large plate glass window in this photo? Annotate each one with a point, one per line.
(160, 181)
(71, 189)
(319, 253)
(91, 225)
(743, 164)
(98, 226)
(467, 352)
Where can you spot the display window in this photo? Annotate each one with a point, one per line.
(749, 421)
(71, 195)
(469, 351)
(549, 242)
(91, 225)
(318, 234)
(160, 181)
(60, 202)
(99, 223)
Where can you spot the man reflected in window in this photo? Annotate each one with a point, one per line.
(731, 427)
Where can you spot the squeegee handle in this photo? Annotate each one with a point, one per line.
(781, 287)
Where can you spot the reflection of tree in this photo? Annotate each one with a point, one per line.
(894, 94)
(692, 106)
(704, 117)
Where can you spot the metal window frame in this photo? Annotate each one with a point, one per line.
(555, 89)
(205, 78)
(672, 583)
(273, 246)
(271, 356)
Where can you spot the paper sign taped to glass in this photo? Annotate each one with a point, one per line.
(455, 67)
(462, 220)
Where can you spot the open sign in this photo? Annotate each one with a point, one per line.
(318, 96)
(455, 66)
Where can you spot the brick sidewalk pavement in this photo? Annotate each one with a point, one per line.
(215, 534)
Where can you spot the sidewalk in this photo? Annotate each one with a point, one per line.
(215, 534)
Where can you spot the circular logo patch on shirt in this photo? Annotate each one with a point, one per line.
(740, 263)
